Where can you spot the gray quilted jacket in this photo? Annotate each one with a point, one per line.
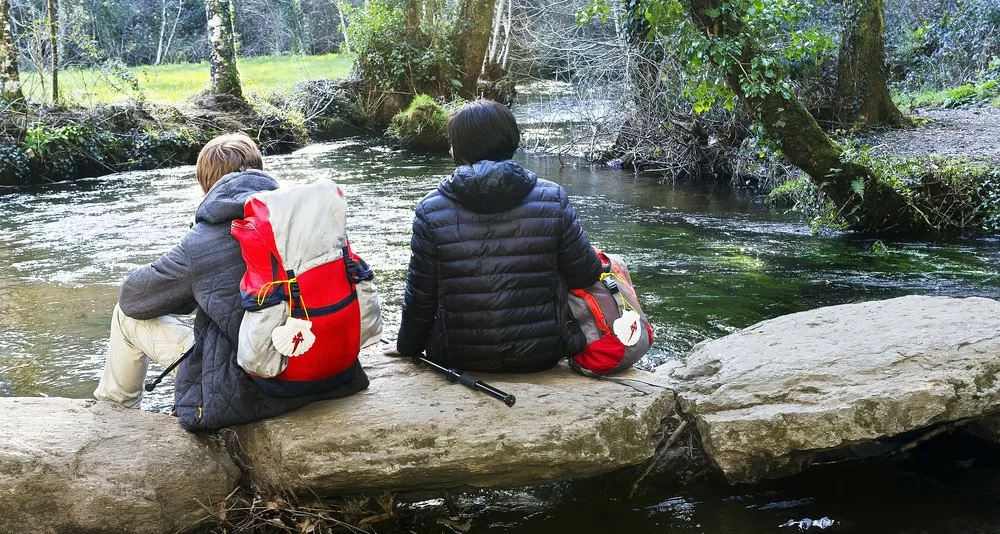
(203, 274)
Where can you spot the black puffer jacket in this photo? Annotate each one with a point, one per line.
(493, 251)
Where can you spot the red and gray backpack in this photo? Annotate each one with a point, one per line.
(618, 333)
(310, 301)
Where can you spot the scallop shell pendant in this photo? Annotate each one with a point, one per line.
(293, 338)
(627, 328)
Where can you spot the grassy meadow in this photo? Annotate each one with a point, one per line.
(174, 84)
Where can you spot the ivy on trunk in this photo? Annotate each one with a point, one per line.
(862, 94)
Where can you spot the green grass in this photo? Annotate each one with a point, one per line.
(986, 92)
(174, 84)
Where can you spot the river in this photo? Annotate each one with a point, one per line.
(706, 261)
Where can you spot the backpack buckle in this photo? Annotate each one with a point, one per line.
(610, 283)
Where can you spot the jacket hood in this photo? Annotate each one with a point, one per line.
(224, 201)
(489, 186)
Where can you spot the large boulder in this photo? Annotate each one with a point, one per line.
(767, 400)
(412, 429)
(71, 465)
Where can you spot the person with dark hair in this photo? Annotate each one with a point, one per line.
(494, 253)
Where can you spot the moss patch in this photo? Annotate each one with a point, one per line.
(422, 125)
(988, 378)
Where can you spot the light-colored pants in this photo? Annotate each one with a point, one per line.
(134, 343)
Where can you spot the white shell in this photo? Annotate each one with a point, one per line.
(293, 338)
(628, 328)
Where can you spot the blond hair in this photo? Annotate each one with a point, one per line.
(226, 154)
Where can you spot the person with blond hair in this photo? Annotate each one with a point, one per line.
(202, 275)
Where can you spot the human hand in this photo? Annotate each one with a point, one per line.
(391, 350)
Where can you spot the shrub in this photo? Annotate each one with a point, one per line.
(933, 44)
(392, 57)
(944, 195)
(422, 125)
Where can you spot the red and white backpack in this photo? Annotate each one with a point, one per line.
(618, 333)
(310, 302)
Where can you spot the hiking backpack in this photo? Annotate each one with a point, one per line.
(618, 333)
(310, 302)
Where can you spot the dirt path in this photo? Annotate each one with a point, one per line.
(971, 132)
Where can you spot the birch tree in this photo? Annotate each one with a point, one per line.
(10, 77)
(222, 49)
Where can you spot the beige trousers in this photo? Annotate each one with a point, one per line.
(134, 343)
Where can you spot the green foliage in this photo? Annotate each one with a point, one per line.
(422, 125)
(943, 194)
(14, 160)
(43, 140)
(878, 248)
(392, 57)
(802, 195)
(963, 95)
(774, 39)
(934, 45)
(595, 9)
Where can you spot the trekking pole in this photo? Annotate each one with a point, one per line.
(469, 380)
(151, 385)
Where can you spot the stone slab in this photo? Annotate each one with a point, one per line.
(769, 397)
(412, 429)
(70, 465)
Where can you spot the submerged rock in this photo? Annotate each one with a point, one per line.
(767, 400)
(412, 429)
(85, 466)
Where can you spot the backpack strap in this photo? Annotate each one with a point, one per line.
(357, 269)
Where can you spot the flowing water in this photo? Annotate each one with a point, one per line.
(706, 261)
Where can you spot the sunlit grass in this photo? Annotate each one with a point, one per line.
(174, 84)
(985, 92)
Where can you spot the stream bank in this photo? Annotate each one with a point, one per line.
(54, 144)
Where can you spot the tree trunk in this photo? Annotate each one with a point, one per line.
(411, 16)
(877, 208)
(862, 92)
(10, 76)
(222, 51)
(495, 37)
(170, 39)
(298, 27)
(472, 39)
(54, 44)
(341, 5)
(163, 32)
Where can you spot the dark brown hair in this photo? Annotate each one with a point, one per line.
(480, 130)
(226, 154)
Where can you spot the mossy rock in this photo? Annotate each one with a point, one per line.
(421, 126)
